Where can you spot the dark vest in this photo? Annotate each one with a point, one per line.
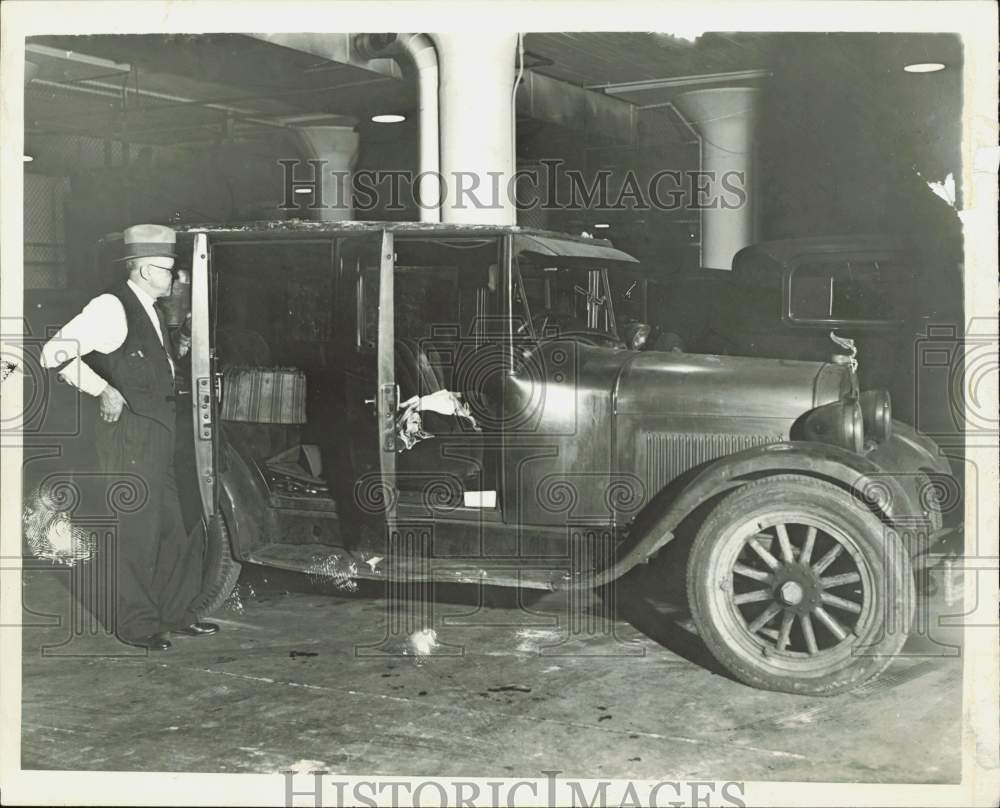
(140, 369)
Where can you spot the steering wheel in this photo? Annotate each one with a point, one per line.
(569, 330)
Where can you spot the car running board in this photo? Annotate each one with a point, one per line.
(342, 566)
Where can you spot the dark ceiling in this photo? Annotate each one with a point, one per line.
(190, 88)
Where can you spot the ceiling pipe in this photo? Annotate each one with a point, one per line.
(420, 51)
(115, 90)
(77, 88)
(724, 119)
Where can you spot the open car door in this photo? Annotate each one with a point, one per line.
(388, 395)
(220, 569)
(204, 395)
(370, 386)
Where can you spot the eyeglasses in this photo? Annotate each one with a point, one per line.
(171, 270)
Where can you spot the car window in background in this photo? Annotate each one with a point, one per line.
(864, 290)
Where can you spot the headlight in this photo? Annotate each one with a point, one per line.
(840, 423)
(637, 336)
(876, 411)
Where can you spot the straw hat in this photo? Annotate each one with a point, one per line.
(149, 241)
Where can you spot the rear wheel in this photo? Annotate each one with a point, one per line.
(794, 587)
(220, 570)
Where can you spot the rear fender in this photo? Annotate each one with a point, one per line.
(243, 498)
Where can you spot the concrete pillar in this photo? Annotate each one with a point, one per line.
(477, 73)
(725, 118)
(338, 146)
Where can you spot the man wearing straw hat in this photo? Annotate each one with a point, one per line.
(118, 350)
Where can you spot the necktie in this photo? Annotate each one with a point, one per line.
(165, 334)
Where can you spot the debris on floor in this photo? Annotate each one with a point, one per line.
(48, 531)
(509, 689)
(238, 598)
(336, 569)
(422, 642)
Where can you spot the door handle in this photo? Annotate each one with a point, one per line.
(370, 401)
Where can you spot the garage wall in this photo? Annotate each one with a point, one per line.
(104, 186)
(45, 200)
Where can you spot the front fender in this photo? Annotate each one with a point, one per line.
(876, 486)
(917, 463)
(908, 451)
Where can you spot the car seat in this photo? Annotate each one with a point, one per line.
(430, 462)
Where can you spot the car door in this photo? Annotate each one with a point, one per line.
(366, 263)
(204, 391)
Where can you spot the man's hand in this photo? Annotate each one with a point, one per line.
(112, 403)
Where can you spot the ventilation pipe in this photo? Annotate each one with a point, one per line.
(724, 118)
(477, 126)
(338, 147)
(419, 49)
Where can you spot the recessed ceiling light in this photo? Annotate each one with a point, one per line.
(601, 226)
(28, 158)
(924, 67)
(303, 190)
(388, 118)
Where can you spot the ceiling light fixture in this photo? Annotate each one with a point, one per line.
(602, 226)
(28, 158)
(388, 118)
(923, 67)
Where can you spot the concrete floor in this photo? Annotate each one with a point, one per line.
(285, 685)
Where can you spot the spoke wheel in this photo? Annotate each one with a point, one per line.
(794, 587)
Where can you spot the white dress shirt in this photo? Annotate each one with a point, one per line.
(101, 327)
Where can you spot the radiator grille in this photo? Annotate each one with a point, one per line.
(669, 454)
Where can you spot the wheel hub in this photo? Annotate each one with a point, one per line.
(796, 587)
(791, 593)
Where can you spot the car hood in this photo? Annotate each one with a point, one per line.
(710, 385)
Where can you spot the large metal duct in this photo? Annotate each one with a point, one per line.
(419, 49)
(337, 148)
(477, 126)
(725, 119)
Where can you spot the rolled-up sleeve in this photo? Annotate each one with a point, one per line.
(101, 327)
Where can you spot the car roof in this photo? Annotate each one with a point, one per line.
(764, 263)
(533, 241)
(346, 227)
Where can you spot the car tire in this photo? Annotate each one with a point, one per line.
(802, 550)
(220, 569)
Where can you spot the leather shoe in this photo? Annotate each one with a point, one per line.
(151, 642)
(197, 629)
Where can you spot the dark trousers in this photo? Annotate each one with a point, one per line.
(158, 563)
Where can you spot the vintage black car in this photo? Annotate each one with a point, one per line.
(457, 403)
(783, 298)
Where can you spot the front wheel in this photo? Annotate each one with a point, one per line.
(795, 587)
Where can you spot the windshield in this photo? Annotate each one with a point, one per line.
(558, 299)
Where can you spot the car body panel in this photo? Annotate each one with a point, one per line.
(597, 446)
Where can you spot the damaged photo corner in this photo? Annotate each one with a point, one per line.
(542, 409)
